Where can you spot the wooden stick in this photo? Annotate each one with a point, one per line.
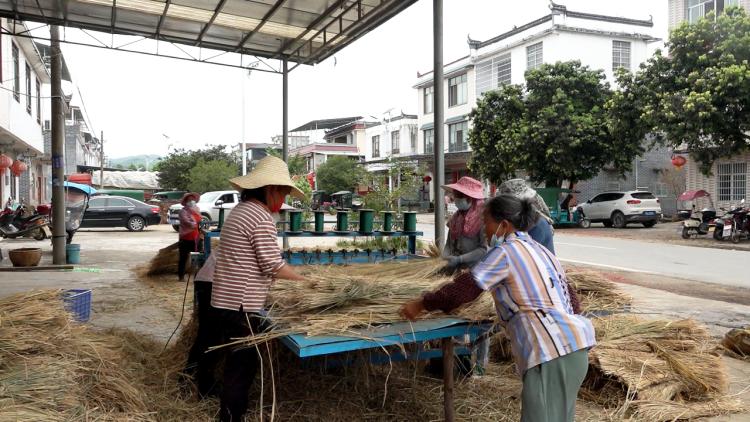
(448, 379)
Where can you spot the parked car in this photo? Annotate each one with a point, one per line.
(618, 209)
(119, 211)
(209, 205)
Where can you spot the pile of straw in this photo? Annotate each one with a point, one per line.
(53, 369)
(657, 370)
(597, 294)
(737, 343)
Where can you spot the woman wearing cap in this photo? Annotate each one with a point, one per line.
(248, 260)
(466, 242)
(541, 229)
(549, 341)
(190, 232)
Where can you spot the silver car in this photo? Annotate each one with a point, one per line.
(618, 209)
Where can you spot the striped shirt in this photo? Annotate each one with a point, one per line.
(530, 291)
(247, 259)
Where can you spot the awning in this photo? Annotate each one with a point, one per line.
(428, 126)
(306, 31)
(457, 119)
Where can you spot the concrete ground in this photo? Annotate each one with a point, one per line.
(109, 257)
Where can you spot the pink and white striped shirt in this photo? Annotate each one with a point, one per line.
(247, 259)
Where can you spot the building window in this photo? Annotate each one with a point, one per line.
(413, 138)
(503, 70)
(732, 181)
(376, 146)
(428, 100)
(395, 142)
(457, 89)
(697, 9)
(620, 55)
(457, 137)
(428, 141)
(28, 89)
(38, 102)
(534, 56)
(493, 73)
(16, 74)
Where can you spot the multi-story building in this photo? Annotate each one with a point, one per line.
(728, 183)
(22, 77)
(597, 41)
(319, 139)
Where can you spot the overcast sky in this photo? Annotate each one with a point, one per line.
(136, 99)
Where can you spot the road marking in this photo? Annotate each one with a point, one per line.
(585, 246)
(612, 267)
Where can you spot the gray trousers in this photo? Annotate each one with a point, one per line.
(550, 389)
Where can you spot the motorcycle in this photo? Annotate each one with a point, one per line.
(24, 223)
(740, 224)
(699, 222)
(723, 224)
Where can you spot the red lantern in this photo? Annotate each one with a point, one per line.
(678, 161)
(5, 162)
(18, 167)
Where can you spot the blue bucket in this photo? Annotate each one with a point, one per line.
(73, 253)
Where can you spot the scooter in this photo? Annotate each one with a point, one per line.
(698, 223)
(14, 224)
(723, 224)
(740, 224)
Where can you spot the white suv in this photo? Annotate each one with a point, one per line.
(210, 204)
(618, 209)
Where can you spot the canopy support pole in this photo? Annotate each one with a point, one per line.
(285, 126)
(58, 159)
(438, 131)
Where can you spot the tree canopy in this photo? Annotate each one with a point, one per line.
(297, 164)
(175, 169)
(557, 127)
(698, 96)
(407, 181)
(338, 173)
(207, 176)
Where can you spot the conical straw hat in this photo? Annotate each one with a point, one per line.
(270, 171)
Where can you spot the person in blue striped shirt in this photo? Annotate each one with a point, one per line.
(549, 341)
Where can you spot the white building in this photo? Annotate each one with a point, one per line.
(319, 139)
(22, 77)
(728, 183)
(597, 41)
(392, 137)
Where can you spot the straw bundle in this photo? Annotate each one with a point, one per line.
(737, 342)
(596, 293)
(56, 370)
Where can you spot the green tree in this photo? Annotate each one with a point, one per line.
(338, 173)
(213, 175)
(407, 181)
(698, 96)
(297, 164)
(556, 128)
(174, 170)
(132, 166)
(302, 184)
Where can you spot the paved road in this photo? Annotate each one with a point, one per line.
(725, 267)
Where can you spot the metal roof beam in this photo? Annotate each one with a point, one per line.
(340, 20)
(263, 21)
(210, 21)
(161, 19)
(310, 27)
(114, 15)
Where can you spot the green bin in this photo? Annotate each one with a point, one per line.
(342, 221)
(410, 221)
(366, 218)
(295, 221)
(320, 218)
(387, 221)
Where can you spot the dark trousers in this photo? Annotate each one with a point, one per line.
(203, 339)
(186, 246)
(241, 362)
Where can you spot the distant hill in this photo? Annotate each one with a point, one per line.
(140, 161)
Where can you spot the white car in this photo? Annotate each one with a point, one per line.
(618, 209)
(209, 204)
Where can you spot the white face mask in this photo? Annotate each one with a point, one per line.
(462, 204)
(496, 241)
(191, 204)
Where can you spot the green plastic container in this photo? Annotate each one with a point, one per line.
(73, 254)
(410, 221)
(387, 221)
(320, 218)
(342, 221)
(366, 218)
(295, 221)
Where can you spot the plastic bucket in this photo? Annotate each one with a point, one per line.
(295, 221)
(387, 221)
(73, 253)
(410, 221)
(366, 218)
(342, 221)
(320, 217)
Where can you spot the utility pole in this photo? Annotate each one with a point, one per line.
(439, 172)
(101, 161)
(58, 159)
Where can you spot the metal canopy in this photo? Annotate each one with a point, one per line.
(300, 31)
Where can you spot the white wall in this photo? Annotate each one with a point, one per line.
(385, 130)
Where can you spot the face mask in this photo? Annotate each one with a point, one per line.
(191, 204)
(495, 241)
(462, 204)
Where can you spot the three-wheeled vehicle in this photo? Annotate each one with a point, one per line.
(699, 222)
(558, 200)
(319, 197)
(76, 203)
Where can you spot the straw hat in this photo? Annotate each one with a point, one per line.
(186, 197)
(270, 171)
(468, 186)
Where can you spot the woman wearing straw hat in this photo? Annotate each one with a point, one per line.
(466, 243)
(248, 260)
(190, 232)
